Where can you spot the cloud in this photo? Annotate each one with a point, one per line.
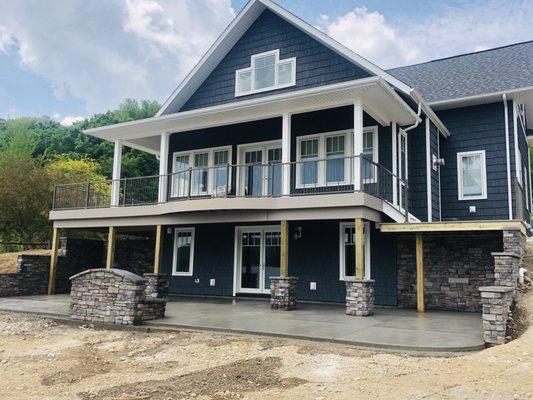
(70, 120)
(105, 51)
(473, 26)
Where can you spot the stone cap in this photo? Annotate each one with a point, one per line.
(130, 276)
(358, 280)
(497, 289)
(505, 254)
(152, 274)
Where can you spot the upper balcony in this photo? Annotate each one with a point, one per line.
(316, 183)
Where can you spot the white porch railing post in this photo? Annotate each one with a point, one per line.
(115, 185)
(357, 142)
(394, 131)
(286, 154)
(163, 168)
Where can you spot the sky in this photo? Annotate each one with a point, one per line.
(70, 59)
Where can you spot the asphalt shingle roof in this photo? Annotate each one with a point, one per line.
(484, 72)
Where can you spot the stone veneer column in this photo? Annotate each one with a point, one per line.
(157, 286)
(514, 241)
(359, 297)
(283, 292)
(495, 300)
(506, 267)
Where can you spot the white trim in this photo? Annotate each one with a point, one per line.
(508, 157)
(342, 255)
(210, 166)
(252, 70)
(490, 97)
(117, 165)
(238, 260)
(286, 139)
(235, 26)
(440, 189)
(394, 133)
(175, 252)
(428, 171)
(163, 167)
(517, 153)
(402, 134)
(483, 194)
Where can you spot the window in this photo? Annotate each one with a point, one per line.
(472, 177)
(267, 72)
(207, 170)
(347, 249)
(309, 162)
(182, 262)
(325, 159)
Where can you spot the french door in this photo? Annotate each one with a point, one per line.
(261, 174)
(258, 258)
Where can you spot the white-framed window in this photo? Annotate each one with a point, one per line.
(266, 72)
(347, 249)
(183, 258)
(324, 159)
(209, 175)
(472, 175)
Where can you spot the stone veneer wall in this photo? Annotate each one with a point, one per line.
(75, 255)
(455, 267)
(114, 296)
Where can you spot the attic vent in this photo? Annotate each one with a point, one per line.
(266, 72)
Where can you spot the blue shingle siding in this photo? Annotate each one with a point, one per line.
(524, 151)
(313, 258)
(316, 65)
(475, 128)
(416, 143)
(435, 184)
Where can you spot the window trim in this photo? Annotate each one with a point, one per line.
(348, 152)
(210, 165)
(251, 69)
(462, 154)
(368, 269)
(190, 230)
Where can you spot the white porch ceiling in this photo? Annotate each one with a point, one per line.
(378, 98)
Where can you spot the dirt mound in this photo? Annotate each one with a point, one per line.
(8, 261)
(220, 382)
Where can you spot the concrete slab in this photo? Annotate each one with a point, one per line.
(388, 328)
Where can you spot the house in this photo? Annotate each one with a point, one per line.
(287, 159)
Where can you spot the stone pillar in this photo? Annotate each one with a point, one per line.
(514, 241)
(359, 297)
(157, 286)
(506, 267)
(283, 292)
(495, 300)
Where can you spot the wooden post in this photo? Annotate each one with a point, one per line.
(284, 262)
(359, 256)
(419, 273)
(110, 259)
(158, 248)
(53, 262)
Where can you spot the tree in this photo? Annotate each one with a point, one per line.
(67, 170)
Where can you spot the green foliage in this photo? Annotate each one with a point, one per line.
(36, 153)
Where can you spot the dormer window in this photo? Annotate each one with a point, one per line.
(267, 72)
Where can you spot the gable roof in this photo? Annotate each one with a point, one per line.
(491, 71)
(238, 27)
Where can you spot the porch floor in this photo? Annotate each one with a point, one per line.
(388, 328)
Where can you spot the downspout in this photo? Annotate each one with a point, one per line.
(508, 157)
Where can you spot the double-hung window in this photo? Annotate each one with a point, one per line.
(472, 175)
(335, 159)
(347, 250)
(267, 72)
(308, 174)
(201, 172)
(183, 257)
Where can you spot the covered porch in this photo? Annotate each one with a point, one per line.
(390, 328)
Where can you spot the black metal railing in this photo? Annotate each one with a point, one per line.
(306, 177)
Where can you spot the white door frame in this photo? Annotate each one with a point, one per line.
(264, 147)
(238, 257)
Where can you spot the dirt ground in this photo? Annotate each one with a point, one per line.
(8, 261)
(40, 359)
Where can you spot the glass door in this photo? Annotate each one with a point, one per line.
(259, 258)
(273, 179)
(253, 173)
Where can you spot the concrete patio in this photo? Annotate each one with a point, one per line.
(389, 328)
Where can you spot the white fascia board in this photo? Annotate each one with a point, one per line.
(140, 147)
(154, 126)
(415, 94)
(259, 6)
(480, 98)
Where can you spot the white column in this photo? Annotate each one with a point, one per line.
(286, 153)
(428, 171)
(163, 167)
(394, 132)
(357, 142)
(117, 163)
